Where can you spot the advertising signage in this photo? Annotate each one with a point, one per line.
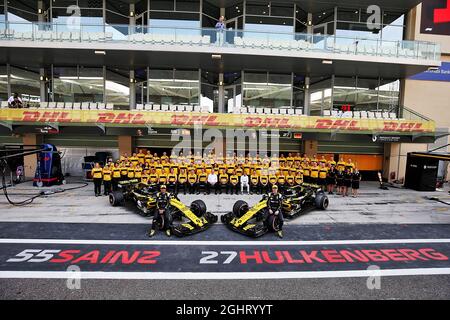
(435, 18)
(441, 74)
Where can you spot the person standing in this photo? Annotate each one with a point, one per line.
(107, 177)
(356, 178)
(220, 31)
(97, 176)
(347, 181)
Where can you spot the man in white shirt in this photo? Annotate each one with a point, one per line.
(244, 183)
(212, 182)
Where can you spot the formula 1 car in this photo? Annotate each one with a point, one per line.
(253, 222)
(301, 199)
(191, 220)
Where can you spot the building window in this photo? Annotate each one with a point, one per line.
(78, 84)
(267, 90)
(171, 87)
(320, 96)
(117, 87)
(25, 82)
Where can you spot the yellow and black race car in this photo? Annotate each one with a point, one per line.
(301, 199)
(253, 222)
(189, 219)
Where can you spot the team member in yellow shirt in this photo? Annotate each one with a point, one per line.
(145, 177)
(264, 181)
(306, 172)
(254, 182)
(107, 177)
(323, 172)
(153, 177)
(138, 172)
(97, 176)
(123, 171)
(202, 180)
(141, 156)
(131, 171)
(299, 177)
(172, 181)
(350, 166)
(314, 173)
(116, 176)
(134, 159)
(340, 165)
(182, 181)
(192, 181)
(223, 181)
(233, 184)
(290, 179)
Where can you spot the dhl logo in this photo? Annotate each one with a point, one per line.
(47, 116)
(190, 120)
(330, 124)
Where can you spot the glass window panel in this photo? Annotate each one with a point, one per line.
(162, 5)
(394, 18)
(392, 33)
(117, 87)
(63, 3)
(262, 90)
(22, 14)
(388, 91)
(320, 95)
(118, 7)
(233, 11)
(187, 5)
(115, 18)
(323, 17)
(175, 20)
(85, 86)
(348, 14)
(164, 89)
(90, 4)
(356, 30)
(282, 10)
(255, 8)
(26, 83)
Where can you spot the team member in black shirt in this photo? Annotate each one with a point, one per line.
(331, 179)
(356, 178)
(347, 181)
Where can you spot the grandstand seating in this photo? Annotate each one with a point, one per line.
(148, 107)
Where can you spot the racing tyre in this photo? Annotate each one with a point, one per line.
(240, 207)
(198, 207)
(321, 201)
(273, 222)
(116, 198)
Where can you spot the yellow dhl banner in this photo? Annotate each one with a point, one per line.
(216, 120)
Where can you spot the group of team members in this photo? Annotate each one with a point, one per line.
(231, 174)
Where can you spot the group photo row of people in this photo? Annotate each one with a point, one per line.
(232, 174)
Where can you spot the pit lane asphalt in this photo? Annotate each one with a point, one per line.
(396, 287)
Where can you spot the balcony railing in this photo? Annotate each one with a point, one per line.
(418, 50)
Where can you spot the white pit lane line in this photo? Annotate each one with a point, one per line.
(218, 243)
(220, 275)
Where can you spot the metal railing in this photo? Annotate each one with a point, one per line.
(122, 33)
